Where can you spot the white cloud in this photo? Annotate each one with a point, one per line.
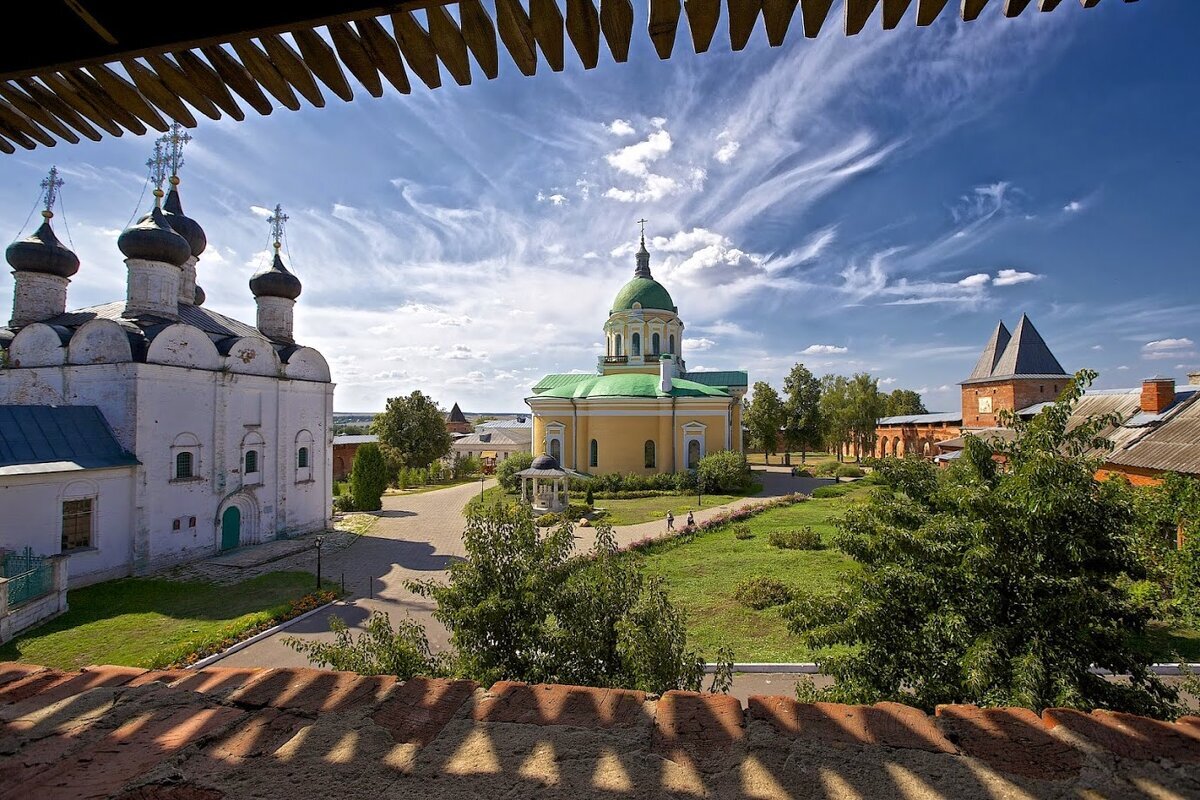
(824, 350)
(699, 344)
(1011, 277)
(634, 159)
(620, 127)
(655, 188)
(975, 281)
(887, 382)
(1167, 344)
(474, 377)
(1073, 207)
(259, 211)
(1097, 347)
(728, 149)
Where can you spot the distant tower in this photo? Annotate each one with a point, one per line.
(456, 421)
(1014, 371)
(42, 266)
(275, 288)
(154, 254)
(173, 144)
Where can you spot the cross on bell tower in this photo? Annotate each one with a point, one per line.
(173, 142)
(158, 169)
(643, 255)
(276, 221)
(50, 186)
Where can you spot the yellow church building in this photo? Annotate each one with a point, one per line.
(641, 411)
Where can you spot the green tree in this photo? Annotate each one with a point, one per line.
(764, 418)
(802, 411)
(413, 428)
(368, 477)
(903, 402)
(988, 585)
(506, 471)
(866, 406)
(835, 413)
(724, 472)
(380, 649)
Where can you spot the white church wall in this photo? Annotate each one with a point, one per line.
(109, 387)
(100, 341)
(184, 346)
(37, 345)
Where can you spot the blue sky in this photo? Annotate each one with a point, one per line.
(869, 203)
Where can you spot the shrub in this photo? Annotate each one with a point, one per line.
(576, 510)
(548, 520)
(724, 471)
(762, 592)
(834, 490)
(742, 531)
(379, 650)
(849, 471)
(343, 503)
(506, 473)
(801, 472)
(804, 539)
(368, 478)
(591, 497)
(826, 469)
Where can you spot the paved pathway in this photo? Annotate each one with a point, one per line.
(416, 537)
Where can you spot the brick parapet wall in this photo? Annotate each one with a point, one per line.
(224, 733)
(1009, 395)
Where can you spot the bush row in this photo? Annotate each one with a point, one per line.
(716, 521)
(803, 539)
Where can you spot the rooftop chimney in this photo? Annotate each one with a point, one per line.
(1157, 394)
(666, 366)
(1194, 379)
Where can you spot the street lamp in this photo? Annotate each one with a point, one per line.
(482, 478)
(699, 490)
(320, 540)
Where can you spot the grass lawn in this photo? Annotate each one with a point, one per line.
(146, 622)
(701, 576)
(648, 509)
(430, 487)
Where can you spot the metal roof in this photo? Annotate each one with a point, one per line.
(456, 415)
(516, 437)
(112, 67)
(363, 439)
(1025, 355)
(1174, 446)
(557, 380)
(722, 378)
(634, 384)
(932, 418)
(991, 352)
(39, 439)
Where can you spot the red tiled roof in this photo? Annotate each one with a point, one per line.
(303, 733)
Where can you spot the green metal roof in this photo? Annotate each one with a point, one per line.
(635, 384)
(559, 379)
(647, 291)
(724, 379)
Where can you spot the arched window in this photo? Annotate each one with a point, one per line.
(635, 344)
(302, 458)
(183, 465)
(649, 451)
(655, 344)
(671, 341)
(251, 462)
(594, 453)
(556, 450)
(693, 455)
(617, 346)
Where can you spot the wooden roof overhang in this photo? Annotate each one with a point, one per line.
(90, 68)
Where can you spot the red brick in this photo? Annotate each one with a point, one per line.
(703, 727)
(884, 724)
(24, 688)
(417, 710)
(311, 690)
(160, 676)
(133, 749)
(554, 704)
(14, 670)
(1011, 740)
(260, 735)
(218, 680)
(171, 791)
(1130, 736)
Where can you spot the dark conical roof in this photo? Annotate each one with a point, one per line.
(545, 462)
(199, 296)
(153, 239)
(42, 252)
(1027, 354)
(185, 226)
(456, 415)
(643, 262)
(991, 353)
(275, 281)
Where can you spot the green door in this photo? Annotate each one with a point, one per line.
(231, 528)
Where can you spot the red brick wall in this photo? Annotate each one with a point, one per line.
(1136, 475)
(1009, 395)
(1157, 395)
(343, 460)
(904, 439)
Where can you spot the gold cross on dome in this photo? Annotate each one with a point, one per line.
(174, 141)
(276, 221)
(50, 186)
(158, 168)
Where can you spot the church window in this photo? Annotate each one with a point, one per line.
(556, 450)
(251, 461)
(671, 341)
(617, 347)
(176, 524)
(693, 453)
(649, 454)
(635, 345)
(302, 458)
(183, 466)
(655, 344)
(77, 523)
(191, 522)
(594, 452)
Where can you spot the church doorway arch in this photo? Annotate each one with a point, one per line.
(231, 528)
(237, 522)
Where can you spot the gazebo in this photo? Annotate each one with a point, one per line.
(549, 483)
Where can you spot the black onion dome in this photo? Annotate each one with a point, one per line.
(199, 296)
(544, 462)
(185, 226)
(42, 252)
(153, 239)
(275, 281)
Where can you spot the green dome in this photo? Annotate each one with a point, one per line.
(635, 384)
(647, 291)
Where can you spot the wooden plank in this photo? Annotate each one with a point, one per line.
(777, 17)
(72, 97)
(153, 90)
(237, 78)
(547, 23)
(662, 24)
(36, 112)
(583, 28)
(971, 9)
(179, 83)
(264, 72)
(893, 12)
(385, 53)
(127, 95)
(928, 10)
(417, 48)
(206, 79)
(355, 56)
(814, 12)
(742, 16)
(6, 148)
(517, 35)
(51, 102)
(22, 127)
(480, 35)
(1092, 3)
(616, 21)
(94, 93)
(1048, 5)
(1013, 8)
(702, 17)
(859, 11)
(292, 68)
(323, 62)
(449, 44)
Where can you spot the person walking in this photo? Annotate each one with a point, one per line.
(691, 519)
(670, 521)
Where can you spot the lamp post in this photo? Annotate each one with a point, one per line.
(699, 490)
(482, 478)
(320, 540)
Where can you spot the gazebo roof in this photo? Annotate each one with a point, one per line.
(547, 466)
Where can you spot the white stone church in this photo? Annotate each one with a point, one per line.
(152, 430)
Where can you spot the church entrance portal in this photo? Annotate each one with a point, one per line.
(231, 528)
